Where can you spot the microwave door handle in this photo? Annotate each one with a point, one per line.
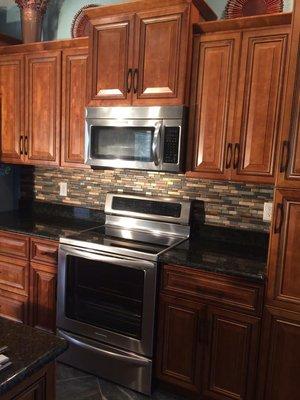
(156, 143)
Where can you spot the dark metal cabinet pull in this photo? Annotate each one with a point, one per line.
(135, 80)
(279, 218)
(26, 146)
(129, 80)
(228, 155)
(236, 157)
(285, 156)
(21, 145)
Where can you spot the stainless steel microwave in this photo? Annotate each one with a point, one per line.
(146, 138)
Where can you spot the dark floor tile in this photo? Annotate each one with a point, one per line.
(64, 372)
(84, 388)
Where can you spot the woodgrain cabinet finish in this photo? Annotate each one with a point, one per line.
(11, 107)
(14, 244)
(236, 104)
(13, 306)
(43, 97)
(280, 364)
(215, 71)
(284, 260)
(231, 355)
(14, 275)
(180, 323)
(288, 171)
(140, 53)
(74, 71)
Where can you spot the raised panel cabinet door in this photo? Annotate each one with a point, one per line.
(43, 107)
(110, 68)
(13, 306)
(288, 172)
(179, 342)
(12, 108)
(215, 69)
(161, 49)
(43, 296)
(231, 355)
(280, 351)
(284, 259)
(259, 100)
(74, 72)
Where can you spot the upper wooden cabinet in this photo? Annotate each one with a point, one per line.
(140, 52)
(236, 103)
(288, 171)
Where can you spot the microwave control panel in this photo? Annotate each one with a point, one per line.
(171, 145)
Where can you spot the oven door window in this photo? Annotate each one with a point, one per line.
(122, 143)
(105, 295)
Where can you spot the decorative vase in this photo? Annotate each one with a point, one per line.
(32, 13)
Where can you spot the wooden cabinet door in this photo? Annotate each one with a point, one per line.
(288, 172)
(13, 306)
(74, 72)
(284, 259)
(280, 361)
(110, 68)
(43, 296)
(12, 108)
(36, 391)
(179, 338)
(231, 355)
(161, 52)
(215, 69)
(43, 107)
(259, 113)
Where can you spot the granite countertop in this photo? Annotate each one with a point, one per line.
(223, 250)
(50, 222)
(29, 349)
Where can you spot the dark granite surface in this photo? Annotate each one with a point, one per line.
(50, 221)
(29, 350)
(223, 250)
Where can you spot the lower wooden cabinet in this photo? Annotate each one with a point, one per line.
(13, 306)
(280, 356)
(43, 296)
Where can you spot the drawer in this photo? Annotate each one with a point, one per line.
(14, 275)
(15, 245)
(13, 307)
(44, 251)
(226, 291)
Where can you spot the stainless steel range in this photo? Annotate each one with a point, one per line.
(107, 286)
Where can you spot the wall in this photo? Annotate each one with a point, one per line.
(60, 13)
(230, 204)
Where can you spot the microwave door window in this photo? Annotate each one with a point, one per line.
(122, 143)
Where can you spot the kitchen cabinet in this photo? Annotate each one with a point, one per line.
(11, 107)
(74, 71)
(284, 273)
(208, 333)
(288, 171)
(13, 306)
(236, 104)
(280, 363)
(140, 53)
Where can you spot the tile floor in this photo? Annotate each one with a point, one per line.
(73, 384)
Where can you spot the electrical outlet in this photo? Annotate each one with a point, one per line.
(63, 189)
(268, 211)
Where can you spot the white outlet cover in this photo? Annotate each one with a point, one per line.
(63, 189)
(268, 211)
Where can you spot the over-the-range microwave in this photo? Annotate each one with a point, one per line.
(146, 138)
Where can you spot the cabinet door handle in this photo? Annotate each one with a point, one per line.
(129, 80)
(236, 157)
(26, 146)
(228, 155)
(285, 156)
(135, 80)
(279, 218)
(21, 145)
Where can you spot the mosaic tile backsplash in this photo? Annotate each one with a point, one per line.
(227, 204)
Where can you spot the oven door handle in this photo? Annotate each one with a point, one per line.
(156, 143)
(133, 359)
(123, 262)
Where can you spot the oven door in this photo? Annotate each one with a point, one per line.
(134, 144)
(107, 298)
